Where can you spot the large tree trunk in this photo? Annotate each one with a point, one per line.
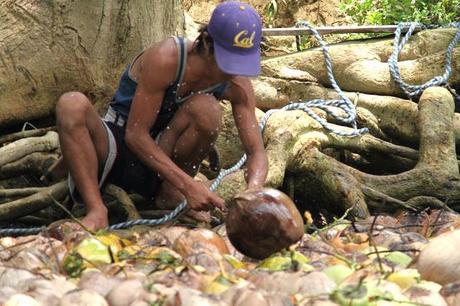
(50, 47)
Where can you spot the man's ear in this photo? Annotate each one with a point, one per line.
(206, 44)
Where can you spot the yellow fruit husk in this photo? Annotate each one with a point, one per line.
(93, 252)
(405, 278)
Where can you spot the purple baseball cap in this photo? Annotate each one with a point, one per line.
(236, 30)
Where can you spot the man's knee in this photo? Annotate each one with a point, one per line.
(205, 112)
(71, 109)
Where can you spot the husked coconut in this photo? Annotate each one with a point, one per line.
(262, 222)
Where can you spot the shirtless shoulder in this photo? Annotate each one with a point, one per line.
(240, 90)
(157, 64)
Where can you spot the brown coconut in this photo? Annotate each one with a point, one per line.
(439, 261)
(199, 240)
(262, 222)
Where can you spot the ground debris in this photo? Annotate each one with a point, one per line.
(369, 261)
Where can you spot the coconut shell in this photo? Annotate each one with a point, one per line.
(199, 240)
(262, 222)
(439, 261)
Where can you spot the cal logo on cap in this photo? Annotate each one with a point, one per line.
(242, 39)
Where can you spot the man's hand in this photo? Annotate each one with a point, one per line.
(96, 219)
(252, 185)
(199, 197)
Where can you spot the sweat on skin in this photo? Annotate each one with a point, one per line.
(165, 117)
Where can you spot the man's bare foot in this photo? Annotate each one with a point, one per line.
(95, 220)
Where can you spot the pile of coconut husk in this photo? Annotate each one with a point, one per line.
(404, 260)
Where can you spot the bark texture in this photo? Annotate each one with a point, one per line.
(50, 47)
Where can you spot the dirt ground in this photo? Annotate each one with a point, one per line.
(318, 12)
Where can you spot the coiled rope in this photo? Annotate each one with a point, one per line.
(414, 91)
(329, 106)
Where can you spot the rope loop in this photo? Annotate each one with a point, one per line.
(414, 91)
(330, 106)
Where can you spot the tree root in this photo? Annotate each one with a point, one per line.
(152, 214)
(25, 134)
(397, 118)
(20, 192)
(367, 119)
(375, 199)
(35, 164)
(294, 143)
(123, 198)
(435, 175)
(34, 220)
(425, 201)
(362, 66)
(33, 203)
(26, 146)
(369, 144)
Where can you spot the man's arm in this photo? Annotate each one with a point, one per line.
(158, 69)
(241, 95)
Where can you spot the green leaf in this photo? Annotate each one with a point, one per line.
(164, 257)
(360, 294)
(218, 285)
(351, 295)
(299, 257)
(395, 11)
(399, 258)
(73, 264)
(338, 273)
(235, 263)
(276, 263)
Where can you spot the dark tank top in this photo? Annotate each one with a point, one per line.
(124, 95)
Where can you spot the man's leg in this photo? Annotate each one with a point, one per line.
(84, 146)
(188, 139)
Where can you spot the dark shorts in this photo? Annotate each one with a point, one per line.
(128, 172)
(123, 168)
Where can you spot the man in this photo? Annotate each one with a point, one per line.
(165, 118)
